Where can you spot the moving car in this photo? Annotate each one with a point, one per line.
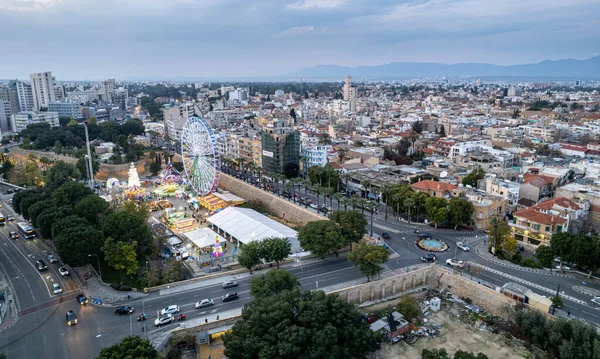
(56, 288)
(230, 284)
(455, 263)
(41, 266)
(71, 318)
(13, 235)
(164, 319)
(385, 235)
(564, 267)
(124, 309)
(204, 303)
(52, 258)
(425, 235)
(82, 299)
(428, 257)
(462, 246)
(172, 309)
(10, 218)
(230, 296)
(595, 301)
(63, 271)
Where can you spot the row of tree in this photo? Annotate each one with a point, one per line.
(580, 249)
(271, 249)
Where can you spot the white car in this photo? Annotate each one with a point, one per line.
(52, 258)
(455, 263)
(56, 288)
(595, 301)
(172, 309)
(462, 246)
(564, 267)
(63, 271)
(164, 319)
(204, 303)
(313, 206)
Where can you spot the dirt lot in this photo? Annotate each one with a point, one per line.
(457, 335)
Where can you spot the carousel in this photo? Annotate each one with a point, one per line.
(134, 188)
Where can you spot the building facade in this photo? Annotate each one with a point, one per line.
(24, 95)
(350, 93)
(66, 109)
(280, 150)
(5, 116)
(314, 156)
(21, 120)
(42, 88)
(10, 94)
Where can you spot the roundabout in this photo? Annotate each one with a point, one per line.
(431, 245)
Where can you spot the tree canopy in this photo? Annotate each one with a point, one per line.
(250, 255)
(121, 255)
(322, 238)
(272, 283)
(299, 325)
(352, 224)
(61, 172)
(126, 227)
(74, 243)
(130, 348)
(473, 178)
(369, 258)
(275, 249)
(93, 208)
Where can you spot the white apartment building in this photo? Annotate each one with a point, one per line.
(461, 148)
(22, 119)
(66, 109)
(509, 190)
(238, 96)
(5, 116)
(315, 156)
(350, 93)
(107, 90)
(42, 88)
(82, 96)
(24, 95)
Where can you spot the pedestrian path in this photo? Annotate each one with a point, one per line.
(386, 269)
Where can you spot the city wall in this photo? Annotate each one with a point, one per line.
(276, 205)
(19, 155)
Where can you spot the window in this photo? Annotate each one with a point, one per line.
(547, 229)
(536, 226)
(528, 224)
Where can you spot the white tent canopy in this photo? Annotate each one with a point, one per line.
(246, 225)
(203, 237)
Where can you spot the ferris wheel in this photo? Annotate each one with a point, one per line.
(201, 159)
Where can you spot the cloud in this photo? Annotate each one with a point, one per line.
(28, 5)
(315, 4)
(297, 30)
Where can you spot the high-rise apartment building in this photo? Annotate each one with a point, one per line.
(107, 90)
(10, 94)
(5, 115)
(280, 150)
(42, 88)
(24, 95)
(350, 93)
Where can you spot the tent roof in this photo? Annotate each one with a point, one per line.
(203, 237)
(247, 225)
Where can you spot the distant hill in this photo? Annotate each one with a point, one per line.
(567, 68)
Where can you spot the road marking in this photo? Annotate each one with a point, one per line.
(19, 269)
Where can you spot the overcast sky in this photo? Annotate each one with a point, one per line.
(95, 39)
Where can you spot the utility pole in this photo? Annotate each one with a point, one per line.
(89, 159)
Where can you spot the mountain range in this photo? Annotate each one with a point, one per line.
(567, 68)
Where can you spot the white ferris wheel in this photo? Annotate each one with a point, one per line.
(201, 160)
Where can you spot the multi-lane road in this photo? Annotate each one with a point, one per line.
(41, 330)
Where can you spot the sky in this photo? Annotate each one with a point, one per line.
(96, 39)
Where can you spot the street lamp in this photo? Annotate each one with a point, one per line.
(99, 269)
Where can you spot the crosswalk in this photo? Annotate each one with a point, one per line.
(386, 269)
(388, 229)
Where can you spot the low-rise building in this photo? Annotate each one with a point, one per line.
(66, 109)
(435, 189)
(507, 189)
(485, 206)
(21, 120)
(532, 226)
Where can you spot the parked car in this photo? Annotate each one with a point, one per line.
(425, 235)
(230, 296)
(63, 271)
(428, 257)
(52, 258)
(204, 303)
(124, 309)
(385, 235)
(71, 318)
(164, 319)
(13, 235)
(313, 206)
(172, 309)
(41, 266)
(462, 246)
(520, 247)
(455, 263)
(595, 301)
(82, 299)
(56, 289)
(564, 267)
(10, 218)
(229, 284)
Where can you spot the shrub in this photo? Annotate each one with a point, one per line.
(115, 286)
(125, 288)
(528, 262)
(516, 259)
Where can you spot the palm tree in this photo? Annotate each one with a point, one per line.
(354, 201)
(317, 189)
(342, 154)
(371, 207)
(408, 203)
(396, 199)
(338, 197)
(386, 190)
(366, 185)
(325, 139)
(346, 176)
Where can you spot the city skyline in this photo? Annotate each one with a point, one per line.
(110, 39)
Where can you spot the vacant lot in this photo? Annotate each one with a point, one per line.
(457, 335)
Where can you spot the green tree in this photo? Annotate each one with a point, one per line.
(322, 238)
(93, 208)
(128, 228)
(434, 354)
(369, 259)
(325, 139)
(49, 217)
(544, 255)
(432, 204)
(461, 211)
(250, 255)
(140, 210)
(509, 246)
(460, 354)
(62, 223)
(82, 167)
(298, 324)
(70, 193)
(417, 127)
(442, 132)
(121, 256)
(130, 348)
(62, 172)
(73, 244)
(154, 168)
(439, 216)
(37, 208)
(499, 231)
(409, 307)
(275, 249)
(352, 224)
(273, 283)
(473, 178)
(25, 199)
(178, 166)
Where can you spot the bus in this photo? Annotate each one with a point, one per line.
(2, 219)
(25, 230)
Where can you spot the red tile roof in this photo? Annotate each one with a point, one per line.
(433, 185)
(559, 201)
(535, 216)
